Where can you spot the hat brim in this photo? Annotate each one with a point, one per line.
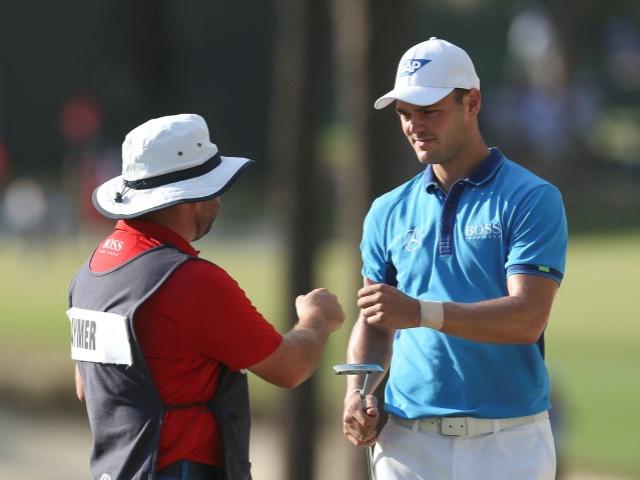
(414, 95)
(138, 202)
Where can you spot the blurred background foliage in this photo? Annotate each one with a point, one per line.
(291, 84)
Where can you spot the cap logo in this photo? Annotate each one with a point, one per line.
(411, 66)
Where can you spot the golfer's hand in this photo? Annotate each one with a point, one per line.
(387, 306)
(320, 309)
(359, 424)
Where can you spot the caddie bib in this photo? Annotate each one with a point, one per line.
(124, 408)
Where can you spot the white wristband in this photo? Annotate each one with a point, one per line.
(431, 314)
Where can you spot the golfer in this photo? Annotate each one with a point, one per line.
(163, 339)
(461, 265)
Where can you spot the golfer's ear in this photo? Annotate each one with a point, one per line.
(475, 101)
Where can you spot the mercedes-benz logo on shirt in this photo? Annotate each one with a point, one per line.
(413, 239)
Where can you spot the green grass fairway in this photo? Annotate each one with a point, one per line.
(593, 349)
(593, 339)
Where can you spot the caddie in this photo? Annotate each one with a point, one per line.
(163, 339)
(461, 265)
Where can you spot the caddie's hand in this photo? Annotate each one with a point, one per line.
(359, 423)
(387, 306)
(320, 308)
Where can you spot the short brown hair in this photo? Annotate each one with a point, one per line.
(459, 93)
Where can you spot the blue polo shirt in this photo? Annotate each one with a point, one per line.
(462, 246)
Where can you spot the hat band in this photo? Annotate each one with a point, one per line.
(173, 177)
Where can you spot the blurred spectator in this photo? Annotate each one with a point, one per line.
(81, 120)
(549, 112)
(622, 41)
(533, 42)
(542, 102)
(24, 206)
(617, 136)
(87, 161)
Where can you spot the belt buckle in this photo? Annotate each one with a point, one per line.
(454, 426)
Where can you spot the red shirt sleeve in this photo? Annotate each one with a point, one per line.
(216, 316)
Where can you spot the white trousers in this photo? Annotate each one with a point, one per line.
(524, 452)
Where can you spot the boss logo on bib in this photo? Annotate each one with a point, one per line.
(111, 246)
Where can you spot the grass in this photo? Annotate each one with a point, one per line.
(593, 342)
(592, 339)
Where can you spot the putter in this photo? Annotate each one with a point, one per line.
(361, 369)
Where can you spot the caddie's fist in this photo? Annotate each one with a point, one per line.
(320, 307)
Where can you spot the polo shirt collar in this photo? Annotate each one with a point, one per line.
(485, 171)
(159, 232)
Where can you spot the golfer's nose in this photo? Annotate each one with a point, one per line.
(417, 124)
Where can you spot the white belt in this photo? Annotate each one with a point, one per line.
(466, 426)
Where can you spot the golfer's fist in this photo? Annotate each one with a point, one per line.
(387, 306)
(359, 420)
(321, 309)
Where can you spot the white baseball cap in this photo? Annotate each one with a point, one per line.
(166, 161)
(428, 72)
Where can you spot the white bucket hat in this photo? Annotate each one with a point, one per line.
(166, 161)
(428, 72)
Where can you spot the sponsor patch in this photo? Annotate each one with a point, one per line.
(411, 66)
(413, 239)
(111, 246)
(482, 231)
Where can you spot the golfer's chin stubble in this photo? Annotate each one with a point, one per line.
(425, 157)
(426, 154)
(433, 156)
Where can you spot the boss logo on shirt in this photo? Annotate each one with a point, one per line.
(482, 231)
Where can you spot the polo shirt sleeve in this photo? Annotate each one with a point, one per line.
(220, 320)
(538, 235)
(372, 247)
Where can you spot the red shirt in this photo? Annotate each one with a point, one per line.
(196, 320)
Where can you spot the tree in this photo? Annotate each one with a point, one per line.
(302, 73)
(369, 41)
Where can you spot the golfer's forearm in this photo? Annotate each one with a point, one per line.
(503, 320)
(368, 344)
(519, 317)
